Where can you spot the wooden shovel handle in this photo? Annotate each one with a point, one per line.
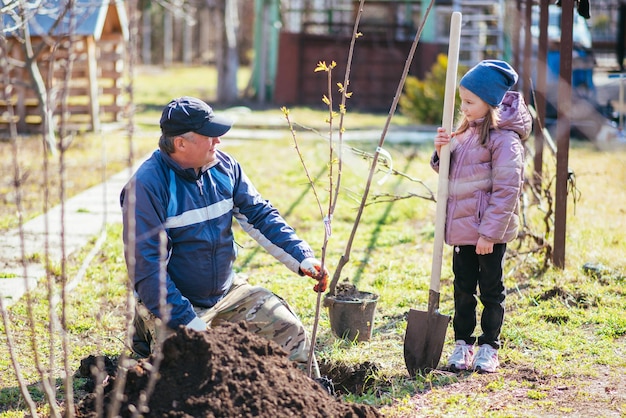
(444, 153)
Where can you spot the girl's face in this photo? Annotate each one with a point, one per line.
(472, 106)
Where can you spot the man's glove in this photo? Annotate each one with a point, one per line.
(197, 324)
(312, 268)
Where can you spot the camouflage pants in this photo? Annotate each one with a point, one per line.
(265, 313)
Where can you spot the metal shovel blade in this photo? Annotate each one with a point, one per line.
(424, 339)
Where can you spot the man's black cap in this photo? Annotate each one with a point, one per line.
(188, 114)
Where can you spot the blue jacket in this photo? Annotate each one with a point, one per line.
(196, 214)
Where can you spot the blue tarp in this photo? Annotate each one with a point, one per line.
(582, 70)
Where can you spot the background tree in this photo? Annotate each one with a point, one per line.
(227, 60)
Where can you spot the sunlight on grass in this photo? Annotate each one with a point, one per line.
(549, 325)
(561, 328)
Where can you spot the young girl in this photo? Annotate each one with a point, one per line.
(485, 182)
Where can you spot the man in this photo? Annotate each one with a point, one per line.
(178, 210)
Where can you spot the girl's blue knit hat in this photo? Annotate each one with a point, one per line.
(490, 80)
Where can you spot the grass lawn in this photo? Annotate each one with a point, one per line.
(564, 351)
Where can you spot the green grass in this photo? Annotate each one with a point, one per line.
(564, 331)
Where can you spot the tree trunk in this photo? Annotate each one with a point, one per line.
(168, 37)
(146, 34)
(228, 60)
(39, 87)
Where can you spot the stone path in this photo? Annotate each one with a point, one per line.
(85, 217)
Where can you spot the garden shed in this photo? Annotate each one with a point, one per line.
(81, 49)
(312, 33)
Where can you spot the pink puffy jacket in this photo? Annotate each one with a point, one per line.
(485, 182)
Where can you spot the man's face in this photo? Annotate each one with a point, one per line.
(196, 150)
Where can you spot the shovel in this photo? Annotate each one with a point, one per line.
(426, 331)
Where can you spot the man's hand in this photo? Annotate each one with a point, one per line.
(312, 267)
(197, 324)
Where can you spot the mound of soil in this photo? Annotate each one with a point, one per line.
(225, 372)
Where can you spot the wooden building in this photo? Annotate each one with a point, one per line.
(85, 45)
(311, 34)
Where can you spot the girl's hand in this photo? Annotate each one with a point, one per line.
(484, 246)
(442, 138)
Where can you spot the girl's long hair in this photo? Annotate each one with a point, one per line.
(489, 122)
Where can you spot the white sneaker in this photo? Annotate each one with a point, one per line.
(486, 360)
(461, 358)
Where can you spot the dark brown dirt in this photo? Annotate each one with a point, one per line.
(352, 378)
(349, 292)
(226, 372)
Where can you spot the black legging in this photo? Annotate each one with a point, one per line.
(472, 271)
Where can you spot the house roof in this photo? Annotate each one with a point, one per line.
(87, 17)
